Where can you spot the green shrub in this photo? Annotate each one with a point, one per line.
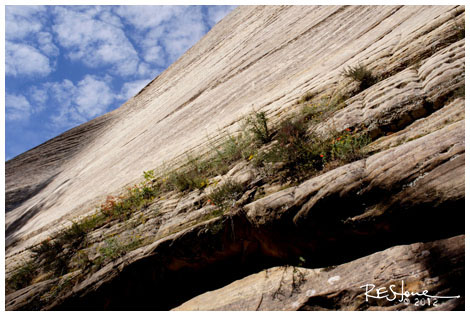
(47, 252)
(114, 249)
(347, 146)
(257, 123)
(323, 108)
(149, 175)
(122, 207)
(73, 235)
(360, 74)
(187, 180)
(299, 154)
(302, 155)
(92, 222)
(51, 253)
(226, 194)
(22, 276)
(306, 97)
(230, 150)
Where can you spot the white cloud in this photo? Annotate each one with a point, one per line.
(17, 108)
(154, 55)
(145, 17)
(94, 42)
(79, 103)
(21, 21)
(38, 98)
(146, 70)
(216, 13)
(21, 59)
(46, 45)
(93, 97)
(110, 18)
(62, 93)
(130, 89)
(183, 32)
(164, 33)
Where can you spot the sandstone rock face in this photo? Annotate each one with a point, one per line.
(388, 216)
(419, 266)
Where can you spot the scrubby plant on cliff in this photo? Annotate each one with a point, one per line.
(226, 194)
(257, 123)
(115, 248)
(320, 109)
(306, 97)
(347, 146)
(51, 252)
(22, 276)
(232, 149)
(197, 170)
(297, 150)
(73, 236)
(55, 254)
(360, 74)
(301, 154)
(149, 175)
(187, 180)
(123, 206)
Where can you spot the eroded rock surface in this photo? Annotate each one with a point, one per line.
(436, 267)
(408, 190)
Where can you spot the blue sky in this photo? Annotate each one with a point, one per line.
(65, 65)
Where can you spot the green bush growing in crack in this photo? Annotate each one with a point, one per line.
(149, 175)
(73, 235)
(306, 97)
(22, 276)
(226, 194)
(295, 150)
(56, 253)
(114, 249)
(51, 252)
(122, 207)
(302, 155)
(360, 74)
(187, 180)
(232, 149)
(347, 146)
(257, 123)
(324, 107)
